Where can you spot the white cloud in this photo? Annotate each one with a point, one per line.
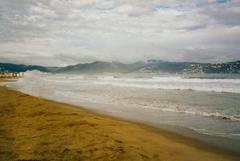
(60, 32)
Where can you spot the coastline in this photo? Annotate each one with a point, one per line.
(36, 128)
(224, 144)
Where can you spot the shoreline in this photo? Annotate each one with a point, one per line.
(128, 139)
(224, 144)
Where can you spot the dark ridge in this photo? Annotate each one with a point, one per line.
(152, 66)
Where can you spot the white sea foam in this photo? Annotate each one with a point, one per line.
(177, 83)
(169, 82)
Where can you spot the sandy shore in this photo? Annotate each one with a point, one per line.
(32, 128)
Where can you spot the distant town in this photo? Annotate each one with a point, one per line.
(7, 74)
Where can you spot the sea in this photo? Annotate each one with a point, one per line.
(202, 106)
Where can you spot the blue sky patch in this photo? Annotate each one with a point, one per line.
(222, 1)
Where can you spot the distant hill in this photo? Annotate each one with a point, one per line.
(23, 68)
(191, 67)
(102, 67)
(152, 66)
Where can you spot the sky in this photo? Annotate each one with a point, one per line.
(65, 32)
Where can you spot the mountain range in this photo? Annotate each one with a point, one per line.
(151, 66)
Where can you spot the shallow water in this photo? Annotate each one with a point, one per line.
(207, 105)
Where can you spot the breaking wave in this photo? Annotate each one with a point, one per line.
(177, 83)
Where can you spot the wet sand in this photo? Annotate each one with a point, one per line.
(32, 128)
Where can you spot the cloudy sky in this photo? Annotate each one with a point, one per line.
(63, 32)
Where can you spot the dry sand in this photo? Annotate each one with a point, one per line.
(32, 128)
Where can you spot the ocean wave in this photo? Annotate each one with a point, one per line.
(70, 82)
(168, 107)
(169, 82)
(127, 94)
(215, 115)
(214, 133)
(228, 88)
(169, 79)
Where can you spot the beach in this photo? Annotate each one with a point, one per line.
(33, 128)
(102, 80)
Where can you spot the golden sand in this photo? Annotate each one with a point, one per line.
(32, 128)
